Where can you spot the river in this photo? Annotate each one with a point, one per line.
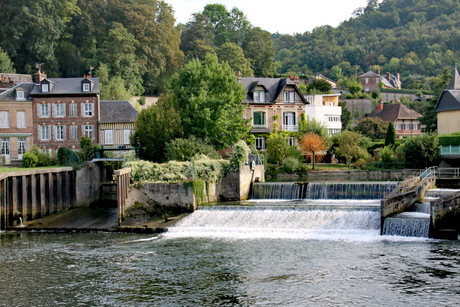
(246, 264)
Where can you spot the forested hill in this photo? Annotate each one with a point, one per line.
(417, 38)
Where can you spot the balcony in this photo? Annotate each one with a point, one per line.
(291, 127)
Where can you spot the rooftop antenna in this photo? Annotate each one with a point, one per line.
(91, 71)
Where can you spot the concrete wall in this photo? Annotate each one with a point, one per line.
(90, 178)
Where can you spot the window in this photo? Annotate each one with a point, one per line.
(20, 95)
(85, 87)
(21, 146)
(5, 146)
(292, 141)
(44, 133)
(259, 119)
(334, 118)
(73, 130)
(88, 109)
(43, 110)
(108, 136)
(88, 131)
(260, 143)
(21, 119)
(73, 109)
(59, 110)
(126, 137)
(334, 131)
(45, 87)
(367, 80)
(289, 121)
(259, 96)
(4, 119)
(289, 96)
(59, 132)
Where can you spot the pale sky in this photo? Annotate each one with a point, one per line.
(286, 17)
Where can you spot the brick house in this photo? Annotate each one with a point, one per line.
(64, 109)
(271, 101)
(16, 125)
(372, 81)
(406, 121)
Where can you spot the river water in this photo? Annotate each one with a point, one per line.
(269, 259)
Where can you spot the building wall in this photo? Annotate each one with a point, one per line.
(68, 119)
(12, 132)
(118, 131)
(448, 122)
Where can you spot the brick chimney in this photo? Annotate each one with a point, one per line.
(295, 79)
(388, 76)
(39, 76)
(380, 106)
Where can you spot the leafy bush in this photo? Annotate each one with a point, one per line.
(67, 156)
(29, 159)
(186, 149)
(239, 155)
(290, 165)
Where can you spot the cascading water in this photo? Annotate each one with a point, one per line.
(277, 190)
(349, 190)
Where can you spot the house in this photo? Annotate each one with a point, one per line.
(64, 109)
(372, 81)
(406, 121)
(116, 123)
(325, 109)
(16, 125)
(272, 103)
(448, 107)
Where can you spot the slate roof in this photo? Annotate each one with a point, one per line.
(117, 111)
(10, 94)
(392, 112)
(392, 83)
(66, 86)
(449, 100)
(16, 78)
(273, 88)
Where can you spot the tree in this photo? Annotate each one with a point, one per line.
(277, 147)
(197, 37)
(372, 127)
(312, 143)
(348, 145)
(311, 126)
(155, 127)
(209, 99)
(390, 138)
(422, 150)
(319, 86)
(260, 50)
(185, 149)
(346, 114)
(6, 66)
(234, 56)
(112, 88)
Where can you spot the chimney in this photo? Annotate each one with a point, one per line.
(295, 79)
(388, 76)
(39, 76)
(398, 79)
(378, 71)
(380, 106)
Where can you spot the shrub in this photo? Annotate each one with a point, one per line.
(239, 155)
(29, 159)
(290, 165)
(66, 156)
(186, 149)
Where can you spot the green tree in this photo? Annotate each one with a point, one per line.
(6, 66)
(155, 127)
(186, 149)
(197, 37)
(311, 126)
(422, 150)
(390, 138)
(208, 98)
(372, 127)
(346, 114)
(348, 146)
(319, 86)
(234, 56)
(260, 50)
(112, 87)
(278, 147)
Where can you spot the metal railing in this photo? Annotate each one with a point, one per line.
(450, 150)
(429, 172)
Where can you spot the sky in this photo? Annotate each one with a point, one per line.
(294, 16)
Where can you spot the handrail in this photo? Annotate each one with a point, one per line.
(429, 172)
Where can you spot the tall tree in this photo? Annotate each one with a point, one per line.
(349, 147)
(197, 37)
(234, 56)
(372, 127)
(390, 138)
(260, 50)
(5, 63)
(208, 98)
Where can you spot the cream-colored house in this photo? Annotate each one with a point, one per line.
(448, 107)
(325, 109)
(272, 102)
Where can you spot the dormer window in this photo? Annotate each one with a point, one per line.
(45, 87)
(289, 96)
(86, 85)
(259, 96)
(20, 94)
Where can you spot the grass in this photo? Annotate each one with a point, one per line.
(330, 167)
(18, 169)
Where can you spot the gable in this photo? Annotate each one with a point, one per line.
(448, 101)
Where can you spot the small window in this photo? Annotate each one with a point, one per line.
(259, 96)
(20, 95)
(4, 119)
(45, 87)
(88, 109)
(73, 109)
(21, 119)
(73, 132)
(260, 143)
(126, 137)
(86, 87)
(108, 136)
(88, 131)
(5, 146)
(292, 141)
(59, 132)
(44, 133)
(21, 146)
(59, 110)
(289, 96)
(43, 110)
(259, 119)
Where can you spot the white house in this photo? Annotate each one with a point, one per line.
(324, 108)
